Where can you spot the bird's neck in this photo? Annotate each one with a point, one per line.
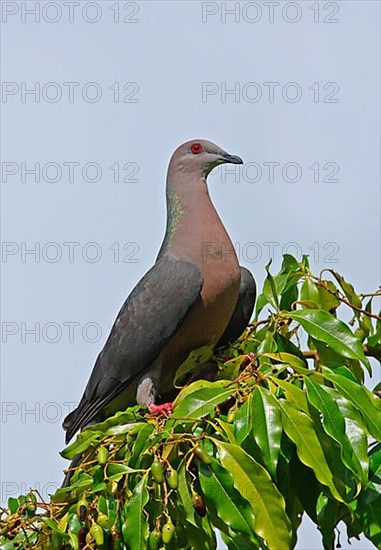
(192, 221)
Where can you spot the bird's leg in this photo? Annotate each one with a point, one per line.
(156, 410)
(146, 392)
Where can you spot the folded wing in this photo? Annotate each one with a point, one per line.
(150, 316)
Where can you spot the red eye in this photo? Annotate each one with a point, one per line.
(196, 148)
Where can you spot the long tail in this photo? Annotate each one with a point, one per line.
(69, 425)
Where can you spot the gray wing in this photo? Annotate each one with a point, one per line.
(153, 312)
(243, 310)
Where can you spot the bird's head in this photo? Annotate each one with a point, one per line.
(199, 157)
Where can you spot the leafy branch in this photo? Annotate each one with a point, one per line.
(270, 439)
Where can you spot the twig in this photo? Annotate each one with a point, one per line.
(311, 354)
(341, 299)
(253, 326)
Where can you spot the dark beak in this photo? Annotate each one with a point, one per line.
(232, 159)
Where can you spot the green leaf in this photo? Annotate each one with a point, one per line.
(141, 441)
(294, 507)
(82, 442)
(74, 525)
(289, 296)
(260, 303)
(52, 524)
(194, 359)
(13, 504)
(309, 292)
(135, 529)
(324, 327)
(125, 428)
(375, 339)
(115, 471)
(289, 263)
(294, 395)
(200, 398)
(284, 344)
(334, 425)
(108, 506)
(284, 284)
(367, 404)
(225, 502)
(185, 495)
(236, 544)
(295, 362)
(304, 263)
(201, 537)
(267, 426)
(83, 481)
(255, 485)
(303, 480)
(331, 359)
(198, 530)
(328, 516)
(269, 289)
(73, 541)
(227, 429)
(368, 512)
(375, 464)
(348, 289)
(132, 414)
(243, 421)
(355, 429)
(230, 369)
(267, 345)
(327, 300)
(288, 276)
(300, 429)
(365, 321)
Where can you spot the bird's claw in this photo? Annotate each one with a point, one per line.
(157, 410)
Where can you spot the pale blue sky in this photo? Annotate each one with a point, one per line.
(179, 59)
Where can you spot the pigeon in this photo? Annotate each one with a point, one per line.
(192, 297)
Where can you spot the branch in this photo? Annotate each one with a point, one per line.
(253, 326)
(342, 299)
(371, 294)
(311, 354)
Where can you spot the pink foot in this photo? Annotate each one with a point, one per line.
(156, 410)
